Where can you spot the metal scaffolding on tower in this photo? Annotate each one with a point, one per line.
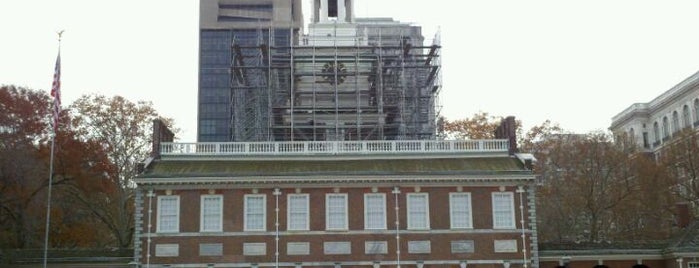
(288, 87)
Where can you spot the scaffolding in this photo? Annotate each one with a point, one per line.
(376, 89)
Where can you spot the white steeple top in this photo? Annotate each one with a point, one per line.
(335, 11)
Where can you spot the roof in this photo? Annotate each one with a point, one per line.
(236, 167)
(687, 240)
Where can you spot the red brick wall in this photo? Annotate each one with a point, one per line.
(233, 210)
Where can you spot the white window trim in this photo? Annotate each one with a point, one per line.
(512, 209)
(288, 212)
(177, 222)
(366, 211)
(264, 212)
(220, 213)
(470, 210)
(427, 211)
(327, 213)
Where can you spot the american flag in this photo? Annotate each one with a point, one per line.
(56, 92)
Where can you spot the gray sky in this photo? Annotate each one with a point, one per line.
(577, 63)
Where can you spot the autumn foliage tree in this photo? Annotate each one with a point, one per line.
(479, 126)
(24, 173)
(121, 129)
(597, 190)
(594, 189)
(680, 158)
(97, 145)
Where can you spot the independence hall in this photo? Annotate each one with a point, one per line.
(420, 203)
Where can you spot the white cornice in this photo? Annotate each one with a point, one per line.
(325, 181)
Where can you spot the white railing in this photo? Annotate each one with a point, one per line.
(332, 147)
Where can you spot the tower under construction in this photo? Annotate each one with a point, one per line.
(262, 79)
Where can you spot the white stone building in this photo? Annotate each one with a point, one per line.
(654, 123)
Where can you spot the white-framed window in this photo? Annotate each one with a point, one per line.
(297, 212)
(336, 211)
(418, 211)
(460, 210)
(693, 264)
(168, 214)
(211, 213)
(503, 210)
(375, 211)
(255, 212)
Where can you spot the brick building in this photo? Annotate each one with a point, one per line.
(334, 204)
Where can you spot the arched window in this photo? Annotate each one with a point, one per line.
(686, 117)
(632, 135)
(675, 122)
(666, 128)
(656, 132)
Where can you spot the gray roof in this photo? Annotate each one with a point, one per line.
(318, 166)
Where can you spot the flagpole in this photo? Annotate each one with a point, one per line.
(53, 144)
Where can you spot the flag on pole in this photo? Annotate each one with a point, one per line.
(56, 92)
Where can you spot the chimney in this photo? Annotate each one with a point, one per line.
(160, 134)
(683, 214)
(508, 130)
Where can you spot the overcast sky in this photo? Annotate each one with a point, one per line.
(577, 63)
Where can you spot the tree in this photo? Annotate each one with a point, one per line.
(24, 166)
(480, 126)
(681, 161)
(23, 176)
(122, 130)
(595, 190)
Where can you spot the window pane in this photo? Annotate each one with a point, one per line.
(336, 209)
(503, 210)
(417, 211)
(254, 212)
(460, 205)
(298, 212)
(374, 211)
(211, 213)
(168, 210)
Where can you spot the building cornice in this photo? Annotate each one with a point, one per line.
(328, 181)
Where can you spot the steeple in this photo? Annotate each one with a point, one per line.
(333, 11)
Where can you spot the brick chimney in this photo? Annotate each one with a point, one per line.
(161, 133)
(508, 130)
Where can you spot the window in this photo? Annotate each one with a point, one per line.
(687, 121)
(375, 211)
(211, 213)
(692, 264)
(645, 140)
(332, 8)
(666, 129)
(297, 212)
(418, 211)
(696, 110)
(656, 132)
(336, 211)
(503, 210)
(632, 135)
(460, 210)
(675, 122)
(255, 212)
(168, 214)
